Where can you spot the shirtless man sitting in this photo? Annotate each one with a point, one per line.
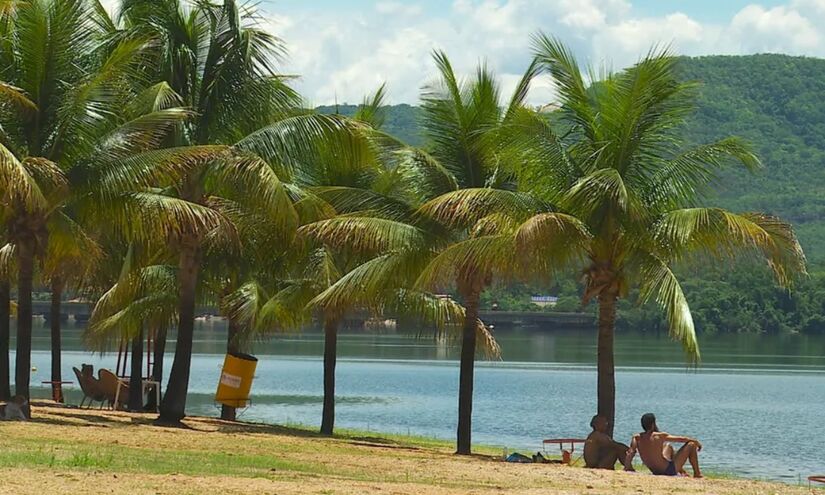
(657, 453)
(600, 450)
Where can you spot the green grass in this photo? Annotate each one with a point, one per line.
(48, 454)
(116, 458)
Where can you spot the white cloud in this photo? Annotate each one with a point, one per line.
(343, 54)
(777, 29)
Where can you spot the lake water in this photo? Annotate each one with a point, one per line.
(756, 402)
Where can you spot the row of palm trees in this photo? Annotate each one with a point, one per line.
(156, 159)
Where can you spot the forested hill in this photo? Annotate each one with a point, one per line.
(776, 102)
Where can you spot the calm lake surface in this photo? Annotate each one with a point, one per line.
(756, 402)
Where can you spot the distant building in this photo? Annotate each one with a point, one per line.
(543, 301)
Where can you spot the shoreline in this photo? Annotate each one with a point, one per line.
(70, 450)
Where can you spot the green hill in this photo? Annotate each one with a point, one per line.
(399, 120)
(776, 103)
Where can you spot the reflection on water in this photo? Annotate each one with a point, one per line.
(754, 400)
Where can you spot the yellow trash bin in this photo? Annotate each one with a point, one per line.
(236, 379)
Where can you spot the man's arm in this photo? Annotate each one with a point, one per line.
(680, 439)
(631, 454)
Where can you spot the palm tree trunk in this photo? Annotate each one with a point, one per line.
(23, 359)
(465, 380)
(229, 413)
(136, 374)
(173, 405)
(606, 386)
(5, 319)
(330, 356)
(157, 365)
(54, 324)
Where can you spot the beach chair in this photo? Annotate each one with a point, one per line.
(115, 389)
(89, 387)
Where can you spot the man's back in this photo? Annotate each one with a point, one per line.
(593, 446)
(651, 446)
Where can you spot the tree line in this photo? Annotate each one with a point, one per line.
(157, 159)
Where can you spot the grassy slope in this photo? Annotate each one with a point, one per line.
(74, 451)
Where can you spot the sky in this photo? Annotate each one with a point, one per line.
(344, 49)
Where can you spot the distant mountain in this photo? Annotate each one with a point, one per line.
(399, 120)
(776, 102)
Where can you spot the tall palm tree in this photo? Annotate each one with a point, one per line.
(620, 166)
(461, 120)
(414, 252)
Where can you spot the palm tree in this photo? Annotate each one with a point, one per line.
(71, 112)
(461, 120)
(223, 67)
(258, 309)
(330, 182)
(71, 256)
(621, 167)
(6, 268)
(413, 252)
(142, 299)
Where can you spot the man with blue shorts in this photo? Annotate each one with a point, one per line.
(657, 453)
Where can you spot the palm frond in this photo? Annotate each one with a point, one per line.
(688, 175)
(426, 176)
(251, 182)
(723, 234)
(466, 206)
(371, 111)
(16, 98)
(154, 168)
(283, 143)
(657, 282)
(557, 60)
(8, 267)
(71, 252)
(16, 184)
(147, 215)
(475, 257)
(366, 234)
